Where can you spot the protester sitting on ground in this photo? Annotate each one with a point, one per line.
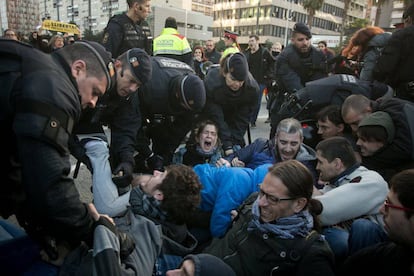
(169, 199)
(400, 151)
(351, 199)
(225, 189)
(202, 265)
(203, 146)
(276, 225)
(394, 257)
(231, 97)
(286, 145)
(330, 124)
(376, 133)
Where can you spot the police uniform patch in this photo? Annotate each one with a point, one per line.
(134, 62)
(356, 180)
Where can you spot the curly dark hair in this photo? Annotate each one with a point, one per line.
(181, 188)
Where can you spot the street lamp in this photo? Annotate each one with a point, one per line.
(56, 4)
(258, 16)
(288, 18)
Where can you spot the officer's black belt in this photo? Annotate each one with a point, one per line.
(46, 110)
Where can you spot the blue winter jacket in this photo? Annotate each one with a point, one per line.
(224, 190)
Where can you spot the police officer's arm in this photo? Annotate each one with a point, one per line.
(53, 202)
(240, 121)
(126, 121)
(215, 113)
(113, 37)
(269, 64)
(286, 75)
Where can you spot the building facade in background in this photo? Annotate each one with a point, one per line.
(273, 19)
(19, 15)
(200, 20)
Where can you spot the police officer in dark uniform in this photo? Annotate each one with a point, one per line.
(232, 95)
(168, 104)
(300, 62)
(297, 64)
(42, 98)
(394, 66)
(115, 109)
(129, 30)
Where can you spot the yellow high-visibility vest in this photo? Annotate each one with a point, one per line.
(230, 50)
(170, 42)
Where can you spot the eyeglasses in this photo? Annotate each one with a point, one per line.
(388, 205)
(272, 200)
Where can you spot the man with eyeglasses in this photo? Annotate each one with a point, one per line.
(351, 198)
(275, 226)
(394, 257)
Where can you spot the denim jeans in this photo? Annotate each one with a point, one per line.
(105, 193)
(337, 239)
(364, 233)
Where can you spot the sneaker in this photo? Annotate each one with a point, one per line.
(253, 125)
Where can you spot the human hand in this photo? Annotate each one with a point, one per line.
(233, 214)
(123, 169)
(223, 163)
(126, 242)
(95, 215)
(235, 162)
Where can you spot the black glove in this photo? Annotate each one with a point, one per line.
(125, 167)
(155, 162)
(79, 152)
(126, 242)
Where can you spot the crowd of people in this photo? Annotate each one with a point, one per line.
(177, 189)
